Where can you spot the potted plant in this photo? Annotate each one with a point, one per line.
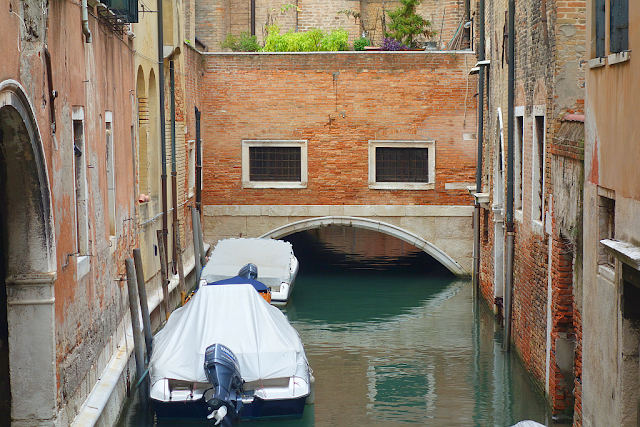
(406, 24)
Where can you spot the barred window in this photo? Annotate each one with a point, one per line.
(402, 164)
(274, 164)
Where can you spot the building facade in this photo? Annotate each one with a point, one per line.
(543, 291)
(611, 221)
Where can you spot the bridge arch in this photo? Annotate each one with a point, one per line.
(369, 224)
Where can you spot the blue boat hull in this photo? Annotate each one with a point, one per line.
(258, 409)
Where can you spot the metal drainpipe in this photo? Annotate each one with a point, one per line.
(198, 164)
(476, 212)
(85, 22)
(174, 172)
(253, 17)
(506, 344)
(163, 145)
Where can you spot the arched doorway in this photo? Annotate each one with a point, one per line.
(27, 255)
(370, 224)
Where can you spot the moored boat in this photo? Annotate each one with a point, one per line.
(228, 355)
(275, 261)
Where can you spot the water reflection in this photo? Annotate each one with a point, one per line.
(393, 349)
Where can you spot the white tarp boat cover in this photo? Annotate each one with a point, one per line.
(272, 257)
(261, 337)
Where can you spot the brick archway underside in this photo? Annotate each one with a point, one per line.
(370, 224)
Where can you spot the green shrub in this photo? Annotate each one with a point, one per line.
(244, 43)
(309, 41)
(407, 24)
(360, 43)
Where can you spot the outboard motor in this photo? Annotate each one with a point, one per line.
(249, 271)
(222, 370)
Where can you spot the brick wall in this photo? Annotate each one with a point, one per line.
(338, 103)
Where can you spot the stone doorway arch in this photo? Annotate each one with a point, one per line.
(382, 227)
(28, 257)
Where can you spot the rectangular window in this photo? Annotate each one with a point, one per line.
(81, 187)
(192, 166)
(402, 165)
(619, 26)
(111, 175)
(274, 164)
(537, 207)
(606, 229)
(519, 138)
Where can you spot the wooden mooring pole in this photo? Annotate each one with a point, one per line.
(137, 333)
(196, 244)
(163, 275)
(142, 294)
(176, 239)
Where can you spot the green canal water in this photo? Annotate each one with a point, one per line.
(393, 340)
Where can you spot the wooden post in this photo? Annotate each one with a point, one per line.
(176, 240)
(196, 244)
(163, 274)
(137, 333)
(203, 253)
(142, 294)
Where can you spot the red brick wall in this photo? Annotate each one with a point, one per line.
(338, 102)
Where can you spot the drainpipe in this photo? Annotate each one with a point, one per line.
(85, 22)
(253, 17)
(198, 164)
(174, 172)
(506, 344)
(163, 146)
(476, 212)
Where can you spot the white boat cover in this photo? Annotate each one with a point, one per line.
(261, 337)
(272, 257)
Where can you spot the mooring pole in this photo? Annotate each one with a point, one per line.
(142, 294)
(137, 333)
(196, 244)
(163, 274)
(176, 239)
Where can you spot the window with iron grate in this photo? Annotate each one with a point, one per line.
(274, 163)
(401, 165)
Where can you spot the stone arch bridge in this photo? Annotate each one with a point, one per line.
(444, 232)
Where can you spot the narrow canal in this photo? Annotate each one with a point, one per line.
(394, 339)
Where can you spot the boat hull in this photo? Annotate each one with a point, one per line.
(257, 409)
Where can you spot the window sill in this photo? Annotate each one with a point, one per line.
(274, 184)
(597, 62)
(616, 58)
(607, 273)
(83, 266)
(537, 226)
(401, 186)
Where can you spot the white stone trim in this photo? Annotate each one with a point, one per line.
(348, 210)
(428, 144)
(304, 173)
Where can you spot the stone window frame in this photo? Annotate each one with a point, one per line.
(81, 189)
(429, 144)
(538, 170)
(304, 171)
